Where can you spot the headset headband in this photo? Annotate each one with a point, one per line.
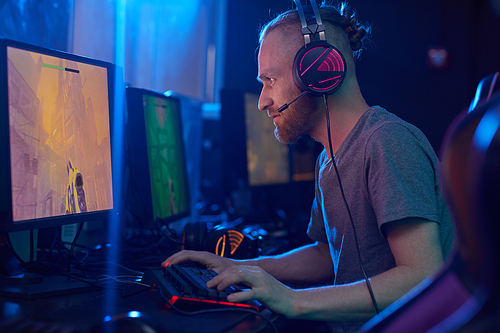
(318, 67)
(310, 30)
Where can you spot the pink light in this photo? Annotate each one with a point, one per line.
(240, 305)
(313, 61)
(333, 78)
(333, 62)
(326, 87)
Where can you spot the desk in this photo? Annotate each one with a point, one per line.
(85, 312)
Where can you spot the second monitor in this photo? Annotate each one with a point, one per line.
(279, 176)
(158, 186)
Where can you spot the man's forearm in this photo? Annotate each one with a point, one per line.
(310, 263)
(352, 302)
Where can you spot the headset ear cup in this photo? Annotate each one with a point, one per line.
(218, 242)
(193, 236)
(222, 241)
(201, 232)
(187, 237)
(319, 67)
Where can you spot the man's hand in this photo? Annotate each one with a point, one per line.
(209, 260)
(264, 288)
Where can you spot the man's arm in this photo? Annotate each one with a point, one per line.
(310, 263)
(415, 247)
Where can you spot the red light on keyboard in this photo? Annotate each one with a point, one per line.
(174, 299)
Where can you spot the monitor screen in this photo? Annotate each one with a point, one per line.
(157, 161)
(56, 144)
(268, 160)
(254, 161)
(251, 154)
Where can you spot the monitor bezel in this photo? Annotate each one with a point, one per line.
(134, 97)
(7, 223)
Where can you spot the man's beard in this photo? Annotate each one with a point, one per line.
(297, 120)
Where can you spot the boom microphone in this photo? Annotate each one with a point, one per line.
(286, 105)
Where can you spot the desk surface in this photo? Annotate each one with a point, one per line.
(85, 311)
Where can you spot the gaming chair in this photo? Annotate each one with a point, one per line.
(464, 296)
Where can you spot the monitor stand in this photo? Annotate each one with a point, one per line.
(16, 283)
(36, 286)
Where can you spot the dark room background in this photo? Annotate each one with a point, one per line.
(196, 48)
(393, 70)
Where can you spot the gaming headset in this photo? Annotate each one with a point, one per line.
(223, 241)
(318, 67)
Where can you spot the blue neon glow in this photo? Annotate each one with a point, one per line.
(168, 35)
(476, 97)
(118, 135)
(486, 129)
(10, 309)
(134, 314)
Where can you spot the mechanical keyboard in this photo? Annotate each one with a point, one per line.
(185, 287)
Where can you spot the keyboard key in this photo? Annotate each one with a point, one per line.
(193, 280)
(191, 294)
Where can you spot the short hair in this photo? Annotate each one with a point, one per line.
(340, 16)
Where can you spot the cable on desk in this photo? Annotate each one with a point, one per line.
(120, 279)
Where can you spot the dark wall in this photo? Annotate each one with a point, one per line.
(42, 22)
(393, 69)
(244, 18)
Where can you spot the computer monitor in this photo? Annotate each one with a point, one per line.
(55, 151)
(251, 150)
(251, 153)
(158, 189)
(55, 148)
(268, 161)
(254, 159)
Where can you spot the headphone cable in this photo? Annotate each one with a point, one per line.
(372, 295)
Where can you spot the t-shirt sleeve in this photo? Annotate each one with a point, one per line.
(401, 174)
(316, 229)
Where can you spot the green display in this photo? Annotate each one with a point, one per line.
(165, 156)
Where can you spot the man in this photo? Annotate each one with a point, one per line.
(388, 173)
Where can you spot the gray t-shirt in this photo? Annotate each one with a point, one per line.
(388, 171)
